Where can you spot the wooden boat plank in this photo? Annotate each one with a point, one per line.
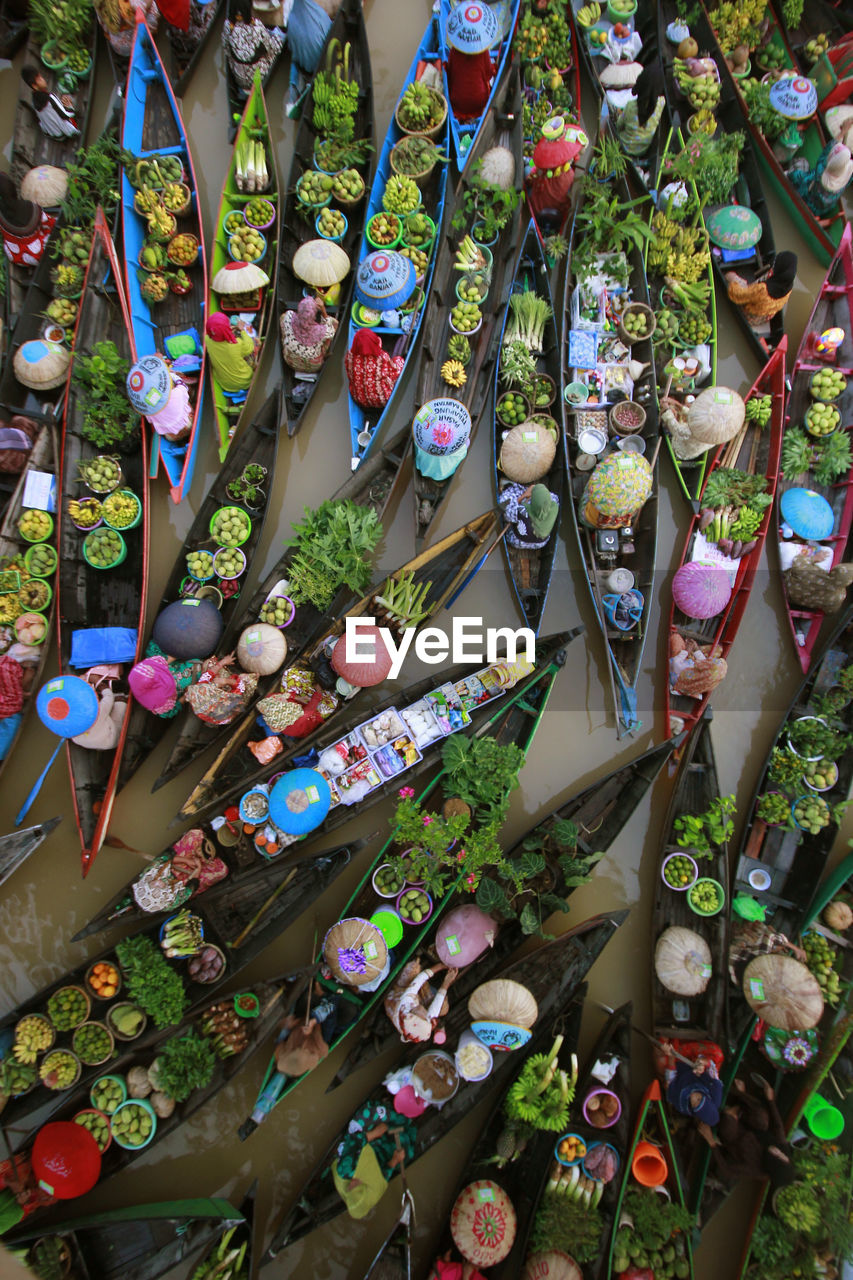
(17, 846)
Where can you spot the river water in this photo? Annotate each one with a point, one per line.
(46, 902)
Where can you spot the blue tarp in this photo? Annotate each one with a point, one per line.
(102, 644)
(307, 29)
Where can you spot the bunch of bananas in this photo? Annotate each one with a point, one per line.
(589, 14)
(758, 409)
(678, 251)
(453, 373)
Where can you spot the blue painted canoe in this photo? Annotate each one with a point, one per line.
(151, 127)
(370, 422)
(464, 133)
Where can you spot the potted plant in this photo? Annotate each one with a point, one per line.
(482, 772)
(785, 768)
(184, 1063)
(98, 377)
(698, 832)
(50, 1257)
(333, 155)
(811, 738)
(415, 156)
(841, 693)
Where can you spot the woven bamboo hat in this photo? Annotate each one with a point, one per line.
(355, 951)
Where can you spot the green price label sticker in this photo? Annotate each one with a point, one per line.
(756, 989)
(370, 950)
(453, 945)
(313, 794)
(486, 1195)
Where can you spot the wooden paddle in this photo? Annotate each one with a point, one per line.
(647, 1036)
(265, 906)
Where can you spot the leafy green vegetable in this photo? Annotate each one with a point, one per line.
(331, 551)
(712, 163)
(700, 831)
(482, 772)
(566, 1224)
(151, 981)
(185, 1063)
(797, 453)
(728, 486)
(834, 457)
(761, 113)
(530, 314)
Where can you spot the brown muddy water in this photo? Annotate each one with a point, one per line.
(46, 902)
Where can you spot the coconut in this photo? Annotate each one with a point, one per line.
(740, 55)
(138, 1084)
(527, 453)
(688, 48)
(497, 168)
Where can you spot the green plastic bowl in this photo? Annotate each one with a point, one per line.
(721, 893)
(145, 1106)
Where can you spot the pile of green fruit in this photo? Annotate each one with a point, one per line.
(229, 562)
(472, 288)
(827, 384)
(772, 57)
(153, 256)
(635, 324)
(74, 245)
(132, 1125)
(59, 1069)
(121, 508)
(812, 813)
(679, 872)
(33, 1034)
(247, 245)
(820, 774)
(175, 196)
(665, 1258)
(401, 195)
(817, 46)
(417, 257)
(466, 317)
(820, 960)
(420, 228)
(42, 561)
(758, 409)
(348, 186)
(693, 329)
(92, 1043)
(414, 906)
(62, 311)
(387, 881)
(16, 1077)
(705, 897)
(101, 474)
(667, 326)
(314, 187)
(276, 612)
(773, 808)
(259, 212)
(822, 419)
(200, 564)
(183, 249)
(97, 1124)
(107, 1094)
(230, 526)
(233, 222)
(331, 223)
(35, 525)
(512, 408)
(103, 548)
(78, 59)
(68, 1007)
(384, 228)
(126, 1019)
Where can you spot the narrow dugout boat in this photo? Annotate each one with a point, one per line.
(503, 127)
(256, 445)
(444, 567)
(651, 1127)
(29, 292)
(186, 48)
(531, 567)
(347, 36)
(754, 453)
(249, 201)
(817, 19)
(515, 1175)
(141, 1242)
(547, 1187)
(805, 456)
(367, 427)
(598, 814)
(239, 1243)
(89, 595)
(514, 724)
(30, 145)
(38, 596)
(551, 973)
(152, 127)
(17, 846)
(465, 131)
(395, 1253)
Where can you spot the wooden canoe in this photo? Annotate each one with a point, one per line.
(235, 1237)
(651, 1126)
(754, 450)
(502, 126)
(833, 307)
(531, 569)
(373, 487)
(367, 427)
(187, 47)
(17, 846)
(624, 649)
(141, 1242)
(229, 408)
(88, 596)
(274, 1000)
(44, 458)
(395, 1253)
(152, 126)
(445, 566)
(298, 220)
(552, 973)
(517, 1177)
(513, 724)
(749, 187)
(600, 811)
(465, 132)
(822, 235)
(28, 294)
(256, 443)
(613, 1041)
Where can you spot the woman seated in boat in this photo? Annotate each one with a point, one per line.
(414, 1009)
(469, 82)
(26, 227)
(306, 335)
(232, 351)
(55, 114)
(750, 1140)
(112, 707)
(763, 301)
(693, 1088)
(307, 29)
(118, 21)
(531, 512)
(637, 125)
(821, 187)
(174, 420)
(550, 182)
(371, 371)
(249, 45)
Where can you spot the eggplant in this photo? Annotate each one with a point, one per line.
(725, 545)
(706, 517)
(749, 547)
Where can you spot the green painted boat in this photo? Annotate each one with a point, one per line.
(236, 195)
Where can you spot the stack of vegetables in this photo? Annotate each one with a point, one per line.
(734, 502)
(162, 198)
(652, 1235)
(25, 589)
(803, 770)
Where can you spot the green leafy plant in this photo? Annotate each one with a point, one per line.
(657, 1224)
(798, 1207)
(184, 1063)
(811, 736)
(792, 13)
(517, 365)
(606, 225)
(556, 248)
(798, 451)
(332, 550)
(711, 163)
(699, 832)
(785, 768)
(93, 180)
(774, 808)
(99, 378)
(482, 772)
(150, 981)
(485, 202)
(568, 1225)
(765, 117)
(834, 457)
(609, 160)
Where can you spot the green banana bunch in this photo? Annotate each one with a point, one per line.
(758, 409)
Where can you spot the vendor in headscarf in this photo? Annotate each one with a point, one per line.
(550, 181)
(249, 45)
(26, 227)
(55, 115)
(413, 1007)
(764, 300)
(693, 1089)
(371, 371)
(821, 187)
(531, 511)
(232, 352)
(306, 335)
(637, 125)
(158, 680)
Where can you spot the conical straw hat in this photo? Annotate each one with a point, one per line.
(355, 951)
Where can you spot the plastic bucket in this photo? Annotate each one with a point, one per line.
(470, 1037)
(389, 924)
(145, 1106)
(649, 1166)
(386, 244)
(225, 512)
(598, 1093)
(825, 1121)
(120, 558)
(134, 522)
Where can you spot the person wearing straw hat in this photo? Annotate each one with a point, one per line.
(306, 335)
(470, 70)
(694, 1089)
(637, 125)
(821, 187)
(531, 511)
(55, 115)
(232, 351)
(371, 371)
(25, 226)
(763, 301)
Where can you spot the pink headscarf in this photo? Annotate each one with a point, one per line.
(153, 685)
(310, 324)
(218, 328)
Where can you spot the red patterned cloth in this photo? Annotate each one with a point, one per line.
(371, 371)
(26, 250)
(469, 80)
(11, 687)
